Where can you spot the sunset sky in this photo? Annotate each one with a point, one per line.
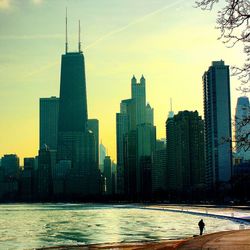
(170, 42)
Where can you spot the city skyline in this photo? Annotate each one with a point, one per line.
(160, 58)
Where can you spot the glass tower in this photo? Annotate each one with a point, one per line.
(49, 122)
(217, 115)
(242, 128)
(75, 142)
(72, 120)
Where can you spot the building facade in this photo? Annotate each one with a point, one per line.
(108, 175)
(10, 165)
(138, 93)
(49, 108)
(93, 125)
(242, 128)
(121, 131)
(76, 143)
(159, 169)
(102, 155)
(185, 152)
(217, 115)
(44, 183)
(135, 140)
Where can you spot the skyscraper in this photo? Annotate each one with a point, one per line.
(108, 174)
(10, 165)
(60, 174)
(146, 138)
(121, 131)
(138, 93)
(75, 142)
(44, 174)
(93, 125)
(185, 152)
(217, 115)
(114, 177)
(242, 128)
(26, 179)
(159, 169)
(73, 116)
(130, 177)
(9, 175)
(102, 156)
(135, 137)
(49, 108)
(149, 115)
(72, 122)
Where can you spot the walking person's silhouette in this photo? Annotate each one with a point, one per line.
(201, 225)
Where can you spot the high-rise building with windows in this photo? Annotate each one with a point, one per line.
(217, 115)
(75, 142)
(242, 128)
(149, 115)
(9, 174)
(130, 177)
(146, 138)
(102, 155)
(108, 175)
(135, 139)
(10, 165)
(27, 177)
(185, 152)
(44, 174)
(121, 131)
(93, 125)
(125, 122)
(48, 121)
(72, 122)
(159, 169)
(138, 93)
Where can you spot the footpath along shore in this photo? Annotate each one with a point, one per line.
(227, 240)
(227, 212)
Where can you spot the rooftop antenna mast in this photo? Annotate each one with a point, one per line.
(66, 35)
(79, 37)
(171, 108)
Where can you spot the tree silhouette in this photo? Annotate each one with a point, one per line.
(233, 22)
(242, 137)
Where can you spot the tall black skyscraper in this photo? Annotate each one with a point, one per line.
(73, 117)
(185, 152)
(217, 115)
(74, 139)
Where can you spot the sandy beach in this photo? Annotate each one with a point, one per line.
(228, 240)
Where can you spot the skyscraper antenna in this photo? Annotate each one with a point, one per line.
(171, 108)
(79, 37)
(66, 35)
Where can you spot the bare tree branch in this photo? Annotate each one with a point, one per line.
(233, 22)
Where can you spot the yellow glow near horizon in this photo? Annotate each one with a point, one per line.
(172, 44)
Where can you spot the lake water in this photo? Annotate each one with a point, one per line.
(39, 225)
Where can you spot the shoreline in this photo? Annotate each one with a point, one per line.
(239, 214)
(178, 209)
(161, 244)
(226, 240)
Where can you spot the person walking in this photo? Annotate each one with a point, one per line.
(201, 225)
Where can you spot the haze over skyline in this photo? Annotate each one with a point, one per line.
(171, 43)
